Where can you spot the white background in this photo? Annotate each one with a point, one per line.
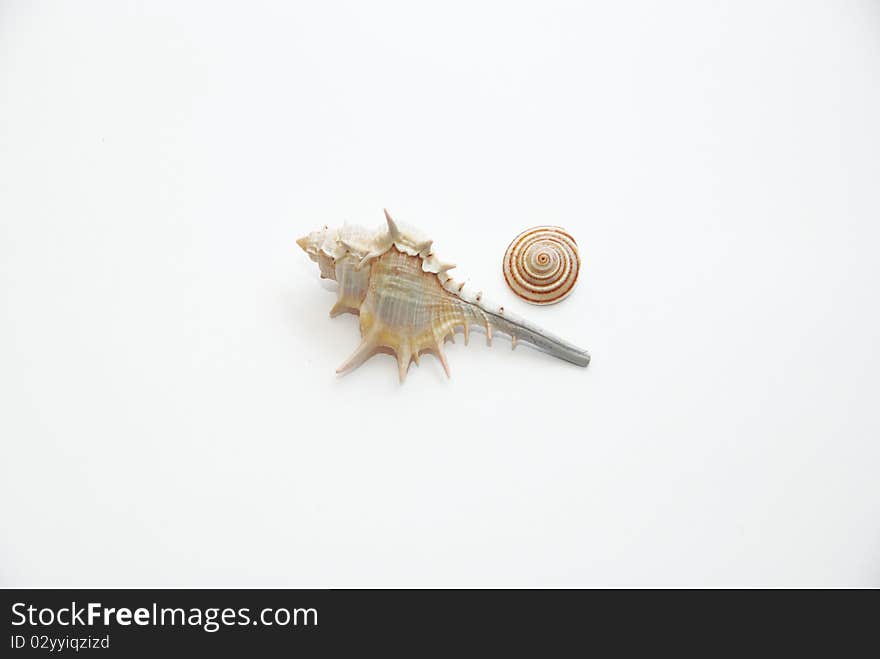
(170, 413)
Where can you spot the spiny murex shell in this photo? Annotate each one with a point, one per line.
(407, 302)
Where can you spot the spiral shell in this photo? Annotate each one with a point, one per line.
(541, 265)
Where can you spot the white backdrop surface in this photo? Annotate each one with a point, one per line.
(170, 413)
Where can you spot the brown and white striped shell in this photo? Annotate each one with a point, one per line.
(542, 264)
(407, 302)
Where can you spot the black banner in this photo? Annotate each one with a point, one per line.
(134, 623)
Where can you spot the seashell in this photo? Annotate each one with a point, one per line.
(407, 301)
(541, 265)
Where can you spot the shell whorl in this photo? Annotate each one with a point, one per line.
(541, 265)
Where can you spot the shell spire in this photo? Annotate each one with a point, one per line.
(541, 265)
(406, 300)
